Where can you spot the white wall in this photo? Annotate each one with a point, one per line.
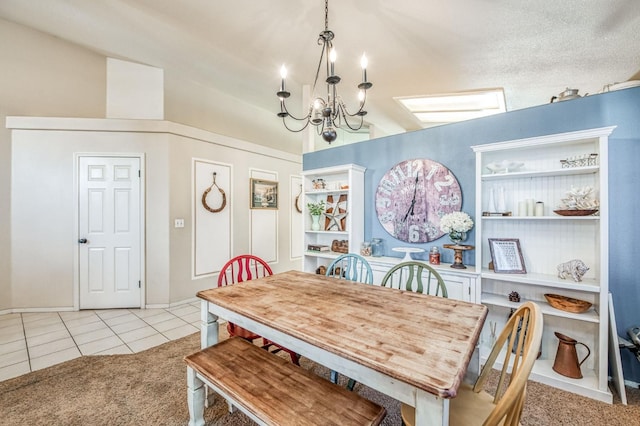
(47, 77)
(40, 75)
(43, 204)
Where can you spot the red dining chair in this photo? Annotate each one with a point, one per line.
(245, 268)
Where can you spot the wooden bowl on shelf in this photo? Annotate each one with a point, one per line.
(567, 304)
(575, 212)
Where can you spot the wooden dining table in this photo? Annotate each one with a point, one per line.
(412, 347)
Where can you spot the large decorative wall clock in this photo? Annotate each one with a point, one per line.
(412, 197)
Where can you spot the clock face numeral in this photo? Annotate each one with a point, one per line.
(412, 197)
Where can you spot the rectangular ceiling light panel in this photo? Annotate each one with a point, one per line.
(453, 107)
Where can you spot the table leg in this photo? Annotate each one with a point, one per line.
(195, 398)
(431, 410)
(208, 326)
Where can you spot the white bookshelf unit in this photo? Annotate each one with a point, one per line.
(339, 181)
(547, 240)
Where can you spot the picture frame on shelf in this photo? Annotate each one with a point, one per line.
(506, 256)
(264, 194)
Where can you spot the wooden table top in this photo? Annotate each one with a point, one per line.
(422, 340)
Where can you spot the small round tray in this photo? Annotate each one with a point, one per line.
(575, 212)
(567, 304)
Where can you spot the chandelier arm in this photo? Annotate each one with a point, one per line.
(345, 111)
(284, 109)
(315, 80)
(345, 118)
(284, 122)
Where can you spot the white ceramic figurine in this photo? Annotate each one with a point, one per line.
(576, 268)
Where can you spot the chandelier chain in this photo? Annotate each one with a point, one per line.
(326, 15)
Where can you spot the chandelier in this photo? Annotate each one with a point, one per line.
(329, 113)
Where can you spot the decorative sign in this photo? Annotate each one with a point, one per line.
(507, 256)
(412, 197)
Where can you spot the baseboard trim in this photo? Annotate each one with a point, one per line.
(35, 310)
(71, 309)
(172, 305)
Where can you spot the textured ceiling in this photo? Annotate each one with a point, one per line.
(532, 49)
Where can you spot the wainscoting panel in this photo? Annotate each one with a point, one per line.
(295, 231)
(264, 222)
(211, 230)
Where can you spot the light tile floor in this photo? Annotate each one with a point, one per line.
(31, 341)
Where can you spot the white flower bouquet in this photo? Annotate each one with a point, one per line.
(456, 222)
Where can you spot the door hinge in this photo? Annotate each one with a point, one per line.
(139, 173)
(139, 284)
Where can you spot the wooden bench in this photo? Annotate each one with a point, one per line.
(271, 390)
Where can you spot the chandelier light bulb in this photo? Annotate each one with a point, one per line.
(332, 60)
(283, 74)
(363, 63)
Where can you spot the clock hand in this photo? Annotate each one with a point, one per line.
(413, 201)
(409, 211)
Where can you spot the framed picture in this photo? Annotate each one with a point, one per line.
(507, 256)
(264, 194)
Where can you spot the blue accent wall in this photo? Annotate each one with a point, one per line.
(450, 145)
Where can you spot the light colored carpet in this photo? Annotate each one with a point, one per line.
(150, 388)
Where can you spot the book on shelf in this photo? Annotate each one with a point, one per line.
(317, 247)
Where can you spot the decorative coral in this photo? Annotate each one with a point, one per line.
(580, 199)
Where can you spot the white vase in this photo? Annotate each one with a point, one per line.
(491, 208)
(315, 222)
(502, 205)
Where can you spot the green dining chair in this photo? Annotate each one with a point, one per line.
(352, 267)
(417, 277)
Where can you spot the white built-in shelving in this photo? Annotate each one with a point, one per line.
(546, 241)
(346, 181)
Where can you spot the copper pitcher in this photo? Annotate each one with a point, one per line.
(566, 362)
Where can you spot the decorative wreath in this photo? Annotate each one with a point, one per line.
(206, 192)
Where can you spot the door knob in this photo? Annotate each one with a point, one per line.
(82, 241)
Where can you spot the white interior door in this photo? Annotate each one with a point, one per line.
(109, 232)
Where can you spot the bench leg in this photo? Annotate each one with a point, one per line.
(334, 377)
(195, 398)
(208, 337)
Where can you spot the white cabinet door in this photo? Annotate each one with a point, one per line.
(457, 287)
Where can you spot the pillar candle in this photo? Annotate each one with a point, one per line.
(530, 207)
(522, 208)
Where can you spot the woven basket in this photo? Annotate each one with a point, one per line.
(567, 304)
